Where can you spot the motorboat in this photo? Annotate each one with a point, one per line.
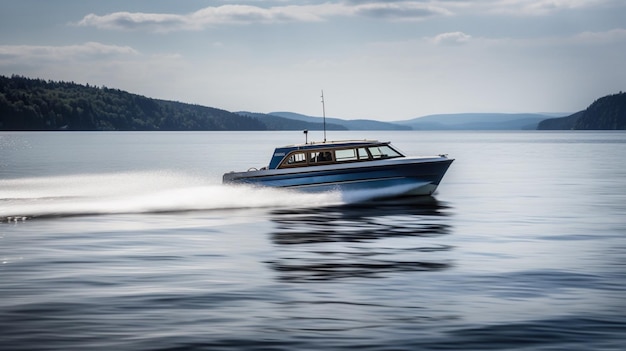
(347, 165)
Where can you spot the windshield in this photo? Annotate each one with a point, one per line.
(383, 151)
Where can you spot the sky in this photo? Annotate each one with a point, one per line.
(382, 60)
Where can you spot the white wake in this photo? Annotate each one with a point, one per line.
(138, 192)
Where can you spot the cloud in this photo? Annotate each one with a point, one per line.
(206, 17)
(400, 10)
(542, 7)
(586, 39)
(384, 10)
(614, 35)
(86, 50)
(424, 8)
(248, 14)
(130, 20)
(451, 38)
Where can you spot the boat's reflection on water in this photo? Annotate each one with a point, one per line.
(372, 239)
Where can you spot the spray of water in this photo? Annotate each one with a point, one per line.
(151, 192)
(138, 192)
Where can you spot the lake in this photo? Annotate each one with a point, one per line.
(129, 241)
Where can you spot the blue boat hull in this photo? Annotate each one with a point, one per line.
(410, 176)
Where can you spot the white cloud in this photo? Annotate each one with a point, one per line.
(542, 7)
(574, 41)
(451, 38)
(130, 20)
(614, 35)
(409, 10)
(384, 10)
(247, 14)
(206, 17)
(254, 14)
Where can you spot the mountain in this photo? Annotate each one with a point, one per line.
(35, 104)
(476, 121)
(606, 113)
(358, 124)
(562, 123)
(273, 122)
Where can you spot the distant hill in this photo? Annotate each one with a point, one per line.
(476, 121)
(562, 123)
(273, 122)
(358, 124)
(606, 113)
(35, 104)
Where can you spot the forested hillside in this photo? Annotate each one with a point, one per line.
(606, 113)
(35, 104)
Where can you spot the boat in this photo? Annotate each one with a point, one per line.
(346, 165)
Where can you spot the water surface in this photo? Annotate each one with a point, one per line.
(128, 241)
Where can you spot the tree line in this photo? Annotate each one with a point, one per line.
(606, 113)
(37, 104)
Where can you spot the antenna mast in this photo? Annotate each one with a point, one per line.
(324, 114)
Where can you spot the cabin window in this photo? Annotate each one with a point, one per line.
(346, 155)
(321, 157)
(298, 158)
(363, 155)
